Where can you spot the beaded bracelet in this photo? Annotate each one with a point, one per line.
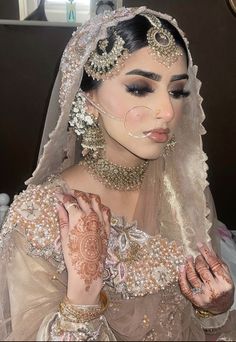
(83, 313)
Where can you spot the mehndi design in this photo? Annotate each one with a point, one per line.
(87, 248)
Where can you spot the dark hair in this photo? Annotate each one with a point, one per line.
(134, 33)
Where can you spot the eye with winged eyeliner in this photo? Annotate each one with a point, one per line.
(138, 89)
(142, 88)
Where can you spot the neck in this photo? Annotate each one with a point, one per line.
(117, 154)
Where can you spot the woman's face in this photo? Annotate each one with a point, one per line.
(143, 81)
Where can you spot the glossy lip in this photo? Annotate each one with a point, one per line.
(158, 135)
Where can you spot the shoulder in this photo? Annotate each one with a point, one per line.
(33, 214)
(36, 203)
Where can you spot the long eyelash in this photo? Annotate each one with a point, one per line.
(137, 90)
(180, 93)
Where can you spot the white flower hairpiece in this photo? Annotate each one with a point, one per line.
(79, 118)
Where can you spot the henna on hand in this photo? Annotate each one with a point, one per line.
(84, 233)
(192, 274)
(81, 195)
(203, 270)
(87, 248)
(212, 280)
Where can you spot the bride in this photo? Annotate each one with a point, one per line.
(115, 236)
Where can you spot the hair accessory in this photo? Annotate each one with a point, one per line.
(113, 176)
(161, 42)
(79, 118)
(86, 125)
(107, 64)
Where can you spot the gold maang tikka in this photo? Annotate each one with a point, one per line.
(105, 65)
(161, 42)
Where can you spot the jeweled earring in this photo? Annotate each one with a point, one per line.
(85, 124)
(169, 146)
(93, 141)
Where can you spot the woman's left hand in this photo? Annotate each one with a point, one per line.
(206, 282)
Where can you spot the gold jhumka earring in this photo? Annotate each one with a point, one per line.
(93, 141)
(86, 125)
(169, 146)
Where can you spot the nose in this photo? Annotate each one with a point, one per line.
(165, 110)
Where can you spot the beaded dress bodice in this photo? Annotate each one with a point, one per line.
(138, 266)
(137, 263)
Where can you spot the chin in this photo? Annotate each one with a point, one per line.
(151, 155)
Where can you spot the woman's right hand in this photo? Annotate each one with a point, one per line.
(85, 227)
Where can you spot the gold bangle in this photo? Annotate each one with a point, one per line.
(83, 313)
(203, 313)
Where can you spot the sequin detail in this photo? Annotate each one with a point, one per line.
(34, 214)
(139, 264)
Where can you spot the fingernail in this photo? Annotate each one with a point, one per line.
(200, 244)
(189, 257)
(181, 268)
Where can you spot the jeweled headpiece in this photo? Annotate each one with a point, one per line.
(161, 42)
(105, 65)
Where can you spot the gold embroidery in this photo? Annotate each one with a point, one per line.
(139, 264)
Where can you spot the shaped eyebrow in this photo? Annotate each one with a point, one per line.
(179, 77)
(156, 77)
(151, 75)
